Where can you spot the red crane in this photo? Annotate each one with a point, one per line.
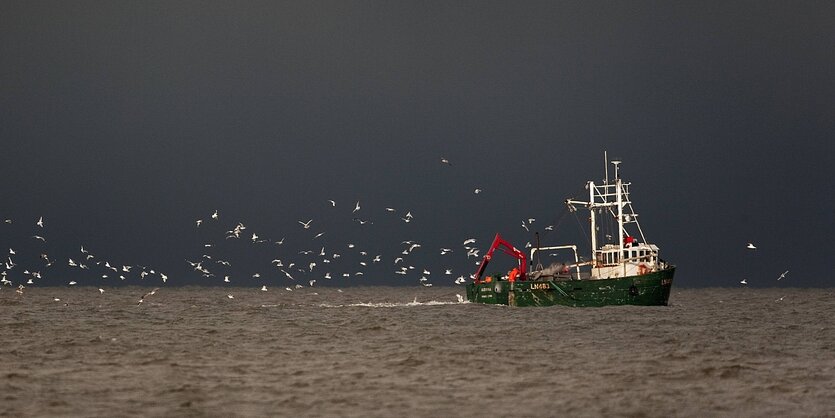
(508, 249)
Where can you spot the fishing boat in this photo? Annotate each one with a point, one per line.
(624, 268)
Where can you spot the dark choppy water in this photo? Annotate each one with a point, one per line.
(374, 352)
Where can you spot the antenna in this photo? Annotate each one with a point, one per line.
(616, 163)
(606, 165)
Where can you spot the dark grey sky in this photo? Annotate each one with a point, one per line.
(123, 122)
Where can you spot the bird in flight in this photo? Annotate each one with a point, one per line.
(477, 191)
(40, 222)
(142, 299)
(306, 225)
(333, 203)
(445, 161)
(783, 275)
(357, 207)
(743, 281)
(215, 215)
(751, 246)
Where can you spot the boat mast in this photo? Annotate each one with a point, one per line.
(620, 214)
(590, 185)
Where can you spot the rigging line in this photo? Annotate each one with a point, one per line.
(557, 221)
(588, 241)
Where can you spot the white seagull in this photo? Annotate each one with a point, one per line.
(40, 222)
(333, 203)
(744, 281)
(751, 246)
(357, 207)
(306, 225)
(783, 275)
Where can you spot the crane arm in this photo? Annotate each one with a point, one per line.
(507, 248)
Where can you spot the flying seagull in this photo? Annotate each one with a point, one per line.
(751, 246)
(744, 281)
(40, 222)
(357, 207)
(333, 203)
(783, 275)
(306, 225)
(445, 161)
(142, 299)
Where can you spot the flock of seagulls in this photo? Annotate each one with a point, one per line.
(744, 281)
(84, 261)
(310, 262)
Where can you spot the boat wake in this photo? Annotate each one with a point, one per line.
(415, 302)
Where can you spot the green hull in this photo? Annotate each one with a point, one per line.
(651, 289)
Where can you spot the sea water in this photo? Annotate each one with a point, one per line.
(398, 351)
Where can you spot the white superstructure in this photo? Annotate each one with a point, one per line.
(631, 254)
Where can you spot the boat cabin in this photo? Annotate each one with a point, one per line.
(637, 259)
